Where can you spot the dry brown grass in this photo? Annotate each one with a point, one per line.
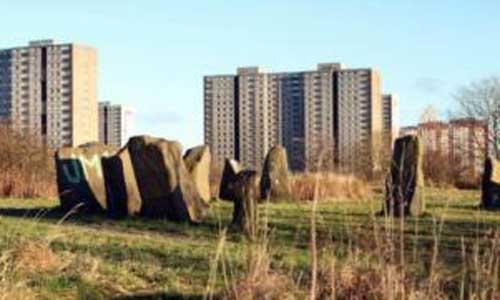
(34, 256)
(26, 167)
(330, 186)
(20, 184)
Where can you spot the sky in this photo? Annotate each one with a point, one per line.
(153, 54)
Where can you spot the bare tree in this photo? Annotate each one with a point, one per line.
(429, 114)
(481, 100)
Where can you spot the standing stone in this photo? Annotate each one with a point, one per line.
(165, 185)
(490, 186)
(123, 193)
(229, 175)
(246, 196)
(80, 179)
(404, 185)
(275, 182)
(197, 162)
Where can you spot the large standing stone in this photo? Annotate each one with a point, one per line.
(246, 196)
(229, 175)
(197, 162)
(490, 198)
(275, 183)
(165, 185)
(123, 196)
(404, 195)
(80, 179)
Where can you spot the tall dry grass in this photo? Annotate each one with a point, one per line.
(26, 166)
(385, 268)
(329, 186)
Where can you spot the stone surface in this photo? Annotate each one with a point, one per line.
(275, 182)
(246, 195)
(80, 178)
(123, 196)
(404, 195)
(165, 185)
(229, 175)
(197, 161)
(490, 186)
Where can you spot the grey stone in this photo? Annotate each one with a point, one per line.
(164, 183)
(197, 161)
(275, 181)
(80, 177)
(229, 175)
(404, 185)
(490, 185)
(246, 195)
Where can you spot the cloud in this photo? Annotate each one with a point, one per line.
(429, 85)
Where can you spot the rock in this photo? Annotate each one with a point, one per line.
(123, 193)
(405, 182)
(197, 161)
(229, 175)
(246, 196)
(490, 185)
(275, 183)
(165, 185)
(80, 179)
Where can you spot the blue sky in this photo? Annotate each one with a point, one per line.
(153, 54)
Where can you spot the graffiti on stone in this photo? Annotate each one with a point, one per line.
(72, 170)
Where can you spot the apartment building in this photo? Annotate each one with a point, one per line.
(48, 91)
(319, 100)
(221, 117)
(329, 114)
(390, 118)
(114, 123)
(292, 118)
(360, 121)
(257, 115)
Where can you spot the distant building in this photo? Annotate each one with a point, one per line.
(462, 142)
(114, 123)
(330, 113)
(359, 120)
(390, 115)
(435, 136)
(468, 145)
(221, 116)
(49, 91)
(408, 130)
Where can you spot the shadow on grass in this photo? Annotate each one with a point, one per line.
(56, 215)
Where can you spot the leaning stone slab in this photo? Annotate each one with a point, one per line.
(490, 186)
(80, 178)
(405, 182)
(229, 175)
(123, 196)
(197, 161)
(164, 183)
(275, 182)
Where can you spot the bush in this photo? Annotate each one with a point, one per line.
(26, 167)
(439, 171)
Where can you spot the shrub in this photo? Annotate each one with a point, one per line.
(26, 166)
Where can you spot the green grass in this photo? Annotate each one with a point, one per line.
(100, 258)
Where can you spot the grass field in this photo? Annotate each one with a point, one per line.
(45, 256)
